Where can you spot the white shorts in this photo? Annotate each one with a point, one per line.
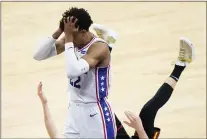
(93, 120)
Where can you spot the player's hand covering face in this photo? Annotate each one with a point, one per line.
(41, 94)
(134, 121)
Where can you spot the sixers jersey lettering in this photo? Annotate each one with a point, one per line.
(93, 85)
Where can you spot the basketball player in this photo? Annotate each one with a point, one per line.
(144, 127)
(88, 71)
(150, 109)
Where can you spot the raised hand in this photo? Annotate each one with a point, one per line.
(134, 121)
(41, 94)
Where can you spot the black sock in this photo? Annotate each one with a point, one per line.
(177, 72)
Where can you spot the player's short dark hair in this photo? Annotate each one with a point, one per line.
(84, 18)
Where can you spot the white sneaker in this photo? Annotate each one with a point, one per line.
(186, 53)
(106, 34)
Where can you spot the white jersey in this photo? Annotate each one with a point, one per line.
(93, 85)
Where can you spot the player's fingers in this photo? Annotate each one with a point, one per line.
(75, 25)
(132, 115)
(71, 19)
(127, 123)
(40, 85)
(39, 88)
(128, 116)
(75, 20)
(64, 20)
(68, 20)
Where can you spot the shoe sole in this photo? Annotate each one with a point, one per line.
(190, 44)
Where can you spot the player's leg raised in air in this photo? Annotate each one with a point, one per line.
(150, 109)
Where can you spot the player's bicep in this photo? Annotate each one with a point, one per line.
(95, 54)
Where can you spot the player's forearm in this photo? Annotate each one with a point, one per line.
(57, 33)
(49, 124)
(47, 47)
(141, 133)
(74, 66)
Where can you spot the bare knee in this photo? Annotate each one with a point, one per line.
(172, 82)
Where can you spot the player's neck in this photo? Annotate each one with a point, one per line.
(88, 37)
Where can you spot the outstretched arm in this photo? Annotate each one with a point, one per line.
(49, 124)
(136, 123)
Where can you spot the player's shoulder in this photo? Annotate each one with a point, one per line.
(99, 46)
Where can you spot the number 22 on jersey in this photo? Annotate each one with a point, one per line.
(75, 82)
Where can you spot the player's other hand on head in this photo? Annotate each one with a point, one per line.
(61, 23)
(70, 25)
(41, 94)
(134, 120)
